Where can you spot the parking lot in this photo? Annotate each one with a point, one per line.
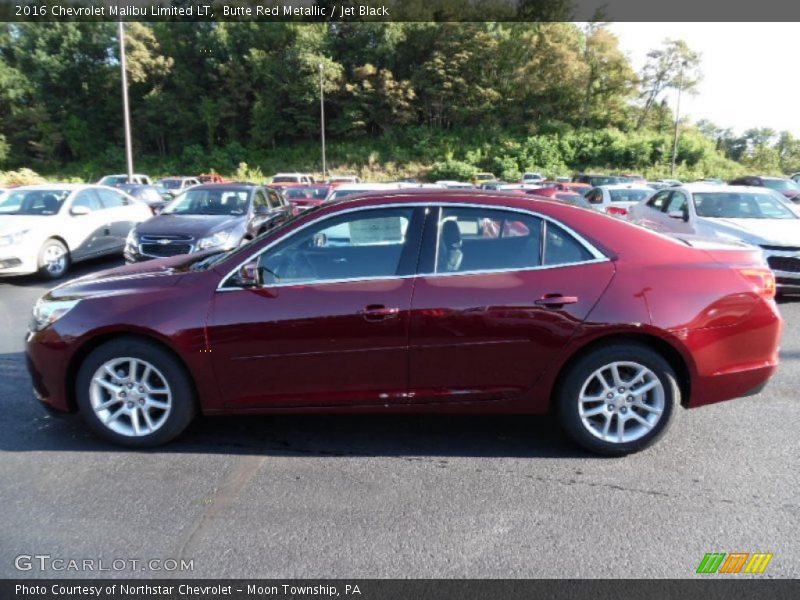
(375, 496)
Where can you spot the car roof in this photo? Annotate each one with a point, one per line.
(699, 187)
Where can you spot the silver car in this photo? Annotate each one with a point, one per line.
(616, 199)
(753, 215)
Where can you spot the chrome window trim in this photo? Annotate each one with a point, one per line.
(598, 256)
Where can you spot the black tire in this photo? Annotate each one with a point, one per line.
(580, 374)
(183, 399)
(48, 271)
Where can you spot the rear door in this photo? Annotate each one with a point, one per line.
(122, 215)
(503, 293)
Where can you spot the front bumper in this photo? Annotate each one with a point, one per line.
(16, 263)
(47, 364)
(785, 265)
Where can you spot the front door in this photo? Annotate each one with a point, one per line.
(504, 294)
(329, 326)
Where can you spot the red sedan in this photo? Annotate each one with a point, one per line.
(453, 301)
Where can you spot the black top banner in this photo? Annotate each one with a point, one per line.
(399, 10)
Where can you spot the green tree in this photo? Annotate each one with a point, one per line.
(671, 66)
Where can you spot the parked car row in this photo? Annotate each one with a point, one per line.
(46, 228)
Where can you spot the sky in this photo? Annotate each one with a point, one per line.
(750, 70)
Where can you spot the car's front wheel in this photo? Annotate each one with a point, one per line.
(135, 393)
(53, 259)
(618, 399)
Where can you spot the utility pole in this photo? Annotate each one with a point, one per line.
(677, 121)
(322, 118)
(125, 108)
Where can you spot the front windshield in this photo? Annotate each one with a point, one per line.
(285, 179)
(33, 202)
(170, 184)
(731, 205)
(209, 202)
(781, 185)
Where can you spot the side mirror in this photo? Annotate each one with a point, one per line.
(262, 211)
(79, 211)
(678, 214)
(249, 275)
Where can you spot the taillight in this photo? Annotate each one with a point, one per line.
(763, 279)
(617, 210)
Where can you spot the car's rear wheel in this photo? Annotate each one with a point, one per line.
(134, 393)
(618, 399)
(53, 259)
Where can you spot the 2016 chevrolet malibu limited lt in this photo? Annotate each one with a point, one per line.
(428, 301)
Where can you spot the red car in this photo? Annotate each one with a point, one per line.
(304, 197)
(416, 301)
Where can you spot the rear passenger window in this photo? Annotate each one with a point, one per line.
(562, 248)
(87, 199)
(478, 239)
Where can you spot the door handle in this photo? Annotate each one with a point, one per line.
(378, 312)
(555, 300)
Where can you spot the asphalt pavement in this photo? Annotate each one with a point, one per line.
(389, 496)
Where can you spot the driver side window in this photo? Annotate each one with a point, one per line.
(368, 244)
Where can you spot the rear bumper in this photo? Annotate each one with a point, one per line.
(735, 361)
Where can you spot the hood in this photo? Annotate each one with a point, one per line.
(12, 223)
(196, 226)
(779, 232)
(138, 278)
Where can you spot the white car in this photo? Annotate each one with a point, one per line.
(532, 178)
(293, 179)
(339, 179)
(749, 214)
(351, 189)
(616, 199)
(122, 178)
(175, 185)
(44, 228)
(455, 185)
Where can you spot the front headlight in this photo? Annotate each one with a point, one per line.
(10, 239)
(47, 312)
(214, 241)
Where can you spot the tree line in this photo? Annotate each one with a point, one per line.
(225, 93)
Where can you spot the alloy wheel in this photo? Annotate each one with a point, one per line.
(621, 402)
(130, 396)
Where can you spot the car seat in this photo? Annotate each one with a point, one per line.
(450, 254)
